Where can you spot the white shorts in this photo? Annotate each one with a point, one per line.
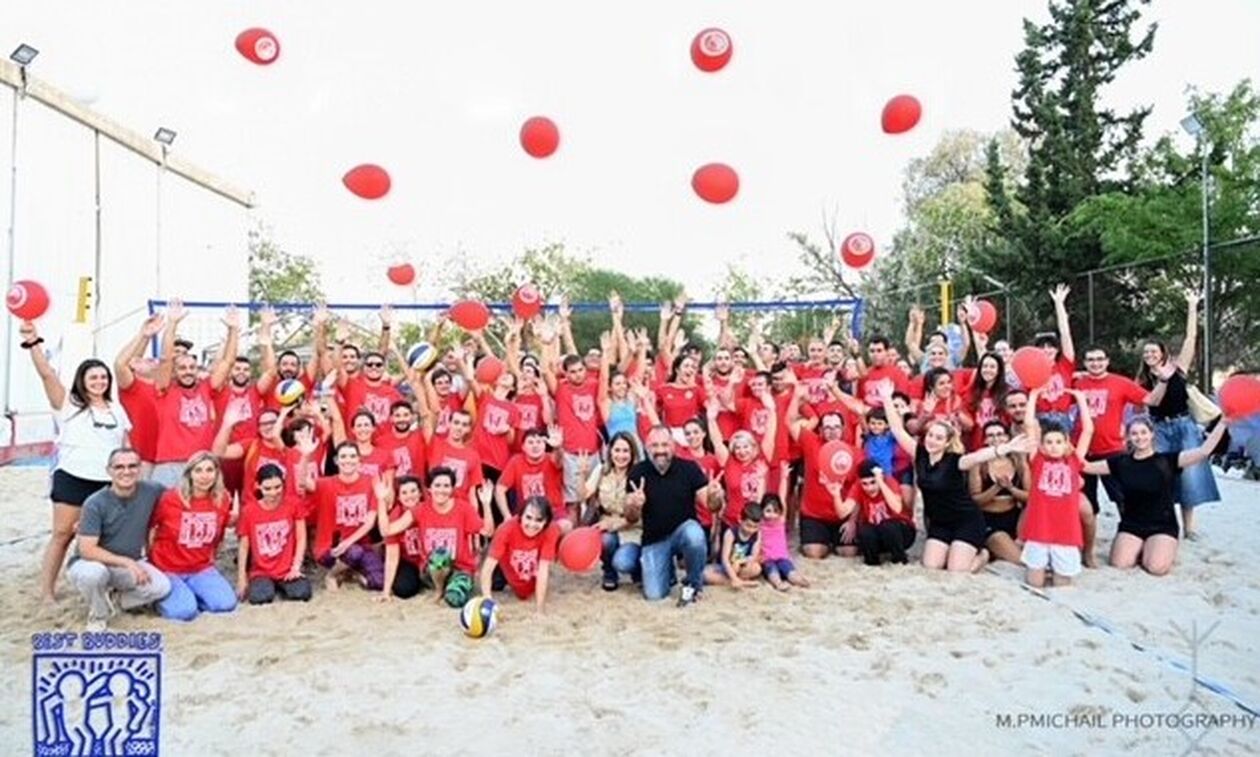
(1061, 560)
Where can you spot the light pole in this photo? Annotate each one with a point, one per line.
(1195, 128)
(166, 138)
(23, 56)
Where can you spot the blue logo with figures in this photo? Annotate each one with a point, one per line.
(104, 701)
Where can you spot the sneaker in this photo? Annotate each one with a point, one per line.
(611, 583)
(688, 596)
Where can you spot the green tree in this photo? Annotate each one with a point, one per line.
(276, 275)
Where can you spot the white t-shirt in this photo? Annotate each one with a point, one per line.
(87, 436)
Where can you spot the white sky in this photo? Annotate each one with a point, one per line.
(436, 92)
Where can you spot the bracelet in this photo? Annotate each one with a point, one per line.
(32, 343)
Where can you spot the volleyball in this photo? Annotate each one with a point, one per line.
(422, 356)
(289, 392)
(478, 617)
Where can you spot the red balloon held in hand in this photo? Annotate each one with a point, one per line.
(715, 182)
(835, 461)
(526, 302)
(1032, 366)
(579, 549)
(469, 315)
(403, 274)
(901, 114)
(982, 316)
(1240, 396)
(857, 250)
(369, 181)
(27, 300)
(540, 137)
(489, 369)
(711, 50)
(258, 46)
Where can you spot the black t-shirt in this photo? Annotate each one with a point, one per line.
(671, 498)
(1148, 486)
(1176, 399)
(946, 496)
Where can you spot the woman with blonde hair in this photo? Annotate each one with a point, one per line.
(955, 525)
(184, 534)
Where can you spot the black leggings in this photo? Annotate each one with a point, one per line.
(891, 536)
(406, 580)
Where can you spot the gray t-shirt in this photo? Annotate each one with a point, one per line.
(122, 524)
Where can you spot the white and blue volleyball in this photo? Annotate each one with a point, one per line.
(289, 392)
(478, 617)
(422, 356)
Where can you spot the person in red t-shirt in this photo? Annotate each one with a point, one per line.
(745, 465)
(443, 400)
(272, 539)
(1107, 396)
(133, 374)
(942, 402)
(883, 372)
(985, 394)
(372, 390)
(523, 549)
(577, 404)
(532, 473)
(497, 418)
(289, 364)
(1051, 526)
(681, 397)
(813, 373)
(825, 529)
(345, 512)
(185, 531)
(1055, 403)
(885, 522)
(456, 453)
(435, 540)
(374, 462)
(695, 450)
(185, 403)
(404, 443)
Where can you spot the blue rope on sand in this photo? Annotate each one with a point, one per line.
(1107, 627)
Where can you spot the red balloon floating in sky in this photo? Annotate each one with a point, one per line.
(258, 45)
(526, 302)
(711, 50)
(469, 315)
(982, 316)
(857, 250)
(540, 137)
(901, 114)
(27, 300)
(369, 181)
(403, 274)
(715, 182)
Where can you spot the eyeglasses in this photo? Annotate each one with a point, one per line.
(374, 364)
(126, 466)
(110, 423)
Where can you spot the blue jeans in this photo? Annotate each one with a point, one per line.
(618, 557)
(657, 560)
(192, 592)
(1196, 485)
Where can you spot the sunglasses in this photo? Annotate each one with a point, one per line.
(108, 423)
(374, 364)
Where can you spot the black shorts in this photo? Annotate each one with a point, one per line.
(1007, 523)
(72, 490)
(814, 531)
(1144, 531)
(970, 530)
(796, 473)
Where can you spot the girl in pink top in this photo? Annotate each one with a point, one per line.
(776, 561)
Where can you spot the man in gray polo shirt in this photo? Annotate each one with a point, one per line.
(113, 533)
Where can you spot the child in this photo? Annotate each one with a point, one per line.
(745, 463)
(741, 552)
(272, 542)
(524, 548)
(777, 562)
(1051, 528)
(885, 522)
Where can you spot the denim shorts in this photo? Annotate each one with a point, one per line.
(1196, 485)
(781, 568)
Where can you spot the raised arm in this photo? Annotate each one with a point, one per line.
(896, 424)
(53, 388)
(123, 374)
(270, 370)
(565, 311)
(1203, 451)
(715, 432)
(772, 426)
(166, 367)
(723, 314)
(1066, 347)
(605, 347)
(1032, 427)
(223, 368)
(387, 328)
(1185, 358)
(914, 334)
(1087, 424)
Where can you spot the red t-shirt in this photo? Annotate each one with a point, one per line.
(358, 394)
(453, 402)
(140, 402)
(873, 509)
(519, 556)
(851, 420)
(452, 531)
(529, 416)
(680, 404)
(728, 420)
(1053, 515)
(409, 540)
(884, 375)
(744, 483)
(577, 416)
(272, 536)
(186, 538)
(407, 452)
(754, 417)
(268, 394)
(816, 501)
(534, 479)
(258, 454)
(341, 508)
(376, 463)
(1054, 397)
(984, 411)
(495, 420)
(814, 377)
(1106, 398)
(709, 464)
(463, 460)
(248, 401)
(185, 422)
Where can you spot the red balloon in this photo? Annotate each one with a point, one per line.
(369, 181)
(489, 369)
(540, 137)
(901, 114)
(857, 250)
(1032, 366)
(711, 50)
(835, 461)
(258, 45)
(715, 182)
(27, 300)
(580, 548)
(982, 316)
(526, 302)
(469, 315)
(1240, 396)
(403, 274)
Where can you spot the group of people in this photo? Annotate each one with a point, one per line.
(404, 478)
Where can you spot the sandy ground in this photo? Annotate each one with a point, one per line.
(869, 659)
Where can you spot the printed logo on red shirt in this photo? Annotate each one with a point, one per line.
(1054, 388)
(377, 405)
(495, 420)
(584, 407)
(524, 562)
(441, 538)
(193, 411)
(459, 466)
(1096, 400)
(352, 509)
(411, 541)
(402, 461)
(1056, 479)
(271, 537)
(759, 421)
(532, 485)
(529, 416)
(875, 388)
(198, 529)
